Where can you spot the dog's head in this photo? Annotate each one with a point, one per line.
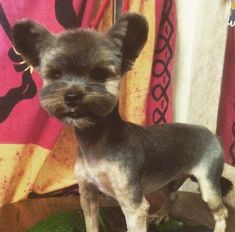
(81, 69)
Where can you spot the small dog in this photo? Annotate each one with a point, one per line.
(82, 71)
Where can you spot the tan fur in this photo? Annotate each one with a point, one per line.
(214, 201)
(90, 206)
(82, 122)
(94, 173)
(105, 176)
(136, 214)
(112, 86)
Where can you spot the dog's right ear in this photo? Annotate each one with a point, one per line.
(30, 39)
(129, 35)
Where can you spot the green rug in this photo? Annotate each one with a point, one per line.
(111, 220)
(72, 221)
(63, 222)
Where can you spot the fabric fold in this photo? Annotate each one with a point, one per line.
(199, 59)
(159, 99)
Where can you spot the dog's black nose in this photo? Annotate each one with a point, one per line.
(71, 98)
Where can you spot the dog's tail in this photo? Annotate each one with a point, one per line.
(226, 186)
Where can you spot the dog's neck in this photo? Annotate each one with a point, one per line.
(91, 135)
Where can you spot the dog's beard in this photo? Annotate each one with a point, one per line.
(96, 104)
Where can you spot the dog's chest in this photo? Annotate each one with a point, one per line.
(99, 173)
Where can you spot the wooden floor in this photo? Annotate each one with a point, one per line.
(20, 216)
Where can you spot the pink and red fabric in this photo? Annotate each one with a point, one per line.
(22, 120)
(226, 116)
(159, 99)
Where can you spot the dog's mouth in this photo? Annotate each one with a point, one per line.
(74, 115)
(78, 115)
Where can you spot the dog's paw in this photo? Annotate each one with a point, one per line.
(157, 218)
(220, 226)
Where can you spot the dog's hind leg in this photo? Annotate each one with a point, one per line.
(169, 191)
(211, 194)
(162, 214)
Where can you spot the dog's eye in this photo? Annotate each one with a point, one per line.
(100, 74)
(55, 75)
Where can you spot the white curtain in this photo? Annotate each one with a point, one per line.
(201, 39)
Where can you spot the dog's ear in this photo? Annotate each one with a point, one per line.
(129, 34)
(30, 39)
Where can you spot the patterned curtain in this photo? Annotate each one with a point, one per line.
(159, 99)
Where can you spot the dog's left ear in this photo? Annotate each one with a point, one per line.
(31, 39)
(129, 34)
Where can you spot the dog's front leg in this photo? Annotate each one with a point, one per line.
(135, 211)
(90, 205)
